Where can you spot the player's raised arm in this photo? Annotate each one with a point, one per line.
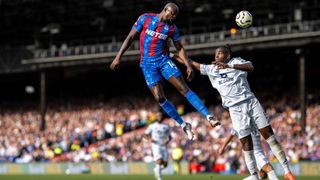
(182, 54)
(125, 45)
(194, 64)
(248, 67)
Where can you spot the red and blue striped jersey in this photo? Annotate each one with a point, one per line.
(154, 36)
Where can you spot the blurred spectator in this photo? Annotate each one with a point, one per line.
(112, 131)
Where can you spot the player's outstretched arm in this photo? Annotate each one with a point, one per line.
(248, 67)
(125, 45)
(244, 67)
(182, 54)
(224, 145)
(194, 64)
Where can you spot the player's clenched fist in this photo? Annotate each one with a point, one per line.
(115, 63)
(190, 74)
(221, 65)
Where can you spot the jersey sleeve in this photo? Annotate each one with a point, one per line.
(138, 25)
(207, 69)
(239, 60)
(175, 35)
(233, 132)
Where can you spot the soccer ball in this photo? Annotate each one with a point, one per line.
(244, 19)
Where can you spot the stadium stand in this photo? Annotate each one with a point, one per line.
(107, 125)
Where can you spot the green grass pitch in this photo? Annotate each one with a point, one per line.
(134, 177)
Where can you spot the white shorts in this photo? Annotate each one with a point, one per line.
(159, 152)
(247, 116)
(259, 155)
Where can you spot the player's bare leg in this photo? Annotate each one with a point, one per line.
(276, 149)
(267, 171)
(194, 100)
(158, 94)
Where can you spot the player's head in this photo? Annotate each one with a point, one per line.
(223, 53)
(159, 117)
(170, 11)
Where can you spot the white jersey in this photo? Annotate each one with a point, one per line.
(231, 83)
(159, 133)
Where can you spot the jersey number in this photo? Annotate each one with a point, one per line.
(172, 64)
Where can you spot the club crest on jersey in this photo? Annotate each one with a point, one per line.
(225, 78)
(156, 34)
(166, 28)
(223, 75)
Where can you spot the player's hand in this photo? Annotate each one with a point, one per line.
(221, 150)
(190, 73)
(115, 64)
(146, 138)
(214, 123)
(220, 65)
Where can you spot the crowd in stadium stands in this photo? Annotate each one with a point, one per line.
(112, 131)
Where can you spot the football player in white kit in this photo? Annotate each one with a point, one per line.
(229, 76)
(159, 134)
(263, 164)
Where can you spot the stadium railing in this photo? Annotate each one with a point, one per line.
(290, 29)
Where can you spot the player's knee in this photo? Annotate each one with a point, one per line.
(266, 132)
(183, 90)
(247, 143)
(161, 100)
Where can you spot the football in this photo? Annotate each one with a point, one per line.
(244, 19)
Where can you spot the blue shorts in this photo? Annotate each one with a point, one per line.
(154, 69)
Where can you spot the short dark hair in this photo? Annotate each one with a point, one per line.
(226, 48)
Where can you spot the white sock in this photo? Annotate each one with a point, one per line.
(250, 162)
(278, 152)
(272, 175)
(157, 171)
(254, 177)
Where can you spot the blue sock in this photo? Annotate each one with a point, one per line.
(171, 111)
(197, 103)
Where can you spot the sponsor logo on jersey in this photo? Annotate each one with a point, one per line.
(225, 81)
(156, 34)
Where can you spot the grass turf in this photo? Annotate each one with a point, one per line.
(134, 177)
